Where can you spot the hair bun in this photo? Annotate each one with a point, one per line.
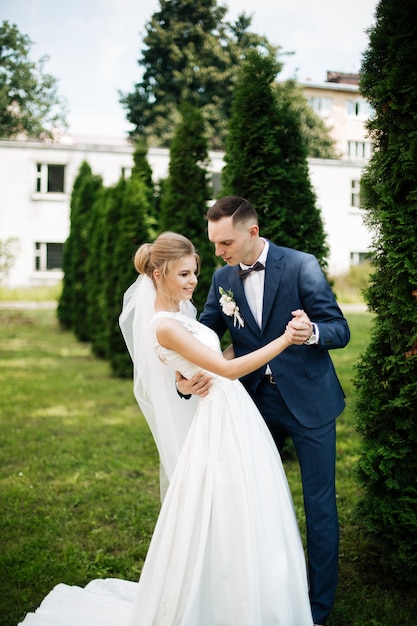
(142, 258)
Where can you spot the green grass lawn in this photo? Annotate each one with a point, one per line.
(79, 476)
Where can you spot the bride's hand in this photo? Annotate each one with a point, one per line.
(198, 385)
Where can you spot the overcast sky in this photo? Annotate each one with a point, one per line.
(94, 45)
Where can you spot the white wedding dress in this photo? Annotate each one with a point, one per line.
(226, 550)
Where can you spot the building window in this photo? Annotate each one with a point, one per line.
(321, 106)
(48, 256)
(359, 258)
(355, 193)
(50, 178)
(359, 108)
(359, 150)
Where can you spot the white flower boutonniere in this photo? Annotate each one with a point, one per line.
(229, 307)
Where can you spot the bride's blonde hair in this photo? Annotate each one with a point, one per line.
(165, 250)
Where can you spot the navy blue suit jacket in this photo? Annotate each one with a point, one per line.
(304, 374)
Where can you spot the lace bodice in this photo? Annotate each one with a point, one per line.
(207, 336)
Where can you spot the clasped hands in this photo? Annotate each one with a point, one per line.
(297, 331)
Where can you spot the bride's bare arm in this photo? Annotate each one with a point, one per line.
(172, 335)
(200, 383)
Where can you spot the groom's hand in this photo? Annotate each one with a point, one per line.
(198, 385)
(299, 329)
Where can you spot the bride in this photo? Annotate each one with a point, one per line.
(226, 549)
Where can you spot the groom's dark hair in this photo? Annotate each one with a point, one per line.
(236, 207)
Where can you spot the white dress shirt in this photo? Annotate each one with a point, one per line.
(253, 286)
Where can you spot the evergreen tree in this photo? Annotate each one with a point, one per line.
(386, 376)
(96, 273)
(105, 271)
(29, 99)
(191, 56)
(266, 159)
(135, 226)
(122, 220)
(186, 193)
(142, 169)
(72, 306)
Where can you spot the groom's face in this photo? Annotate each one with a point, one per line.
(234, 243)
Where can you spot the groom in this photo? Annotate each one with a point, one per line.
(298, 393)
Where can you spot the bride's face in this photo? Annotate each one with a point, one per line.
(182, 278)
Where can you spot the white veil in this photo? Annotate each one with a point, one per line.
(168, 416)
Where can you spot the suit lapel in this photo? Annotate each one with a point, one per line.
(273, 274)
(240, 298)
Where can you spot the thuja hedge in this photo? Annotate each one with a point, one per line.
(386, 375)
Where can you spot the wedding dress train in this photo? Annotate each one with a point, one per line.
(226, 550)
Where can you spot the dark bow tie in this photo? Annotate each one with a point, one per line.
(255, 268)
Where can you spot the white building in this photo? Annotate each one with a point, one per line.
(36, 180)
(344, 111)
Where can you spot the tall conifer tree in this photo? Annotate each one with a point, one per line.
(72, 306)
(187, 191)
(386, 376)
(97, 263)
(123, 219)
(134, 227)
(266, 159)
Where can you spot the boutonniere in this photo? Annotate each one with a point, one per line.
(229, 307)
